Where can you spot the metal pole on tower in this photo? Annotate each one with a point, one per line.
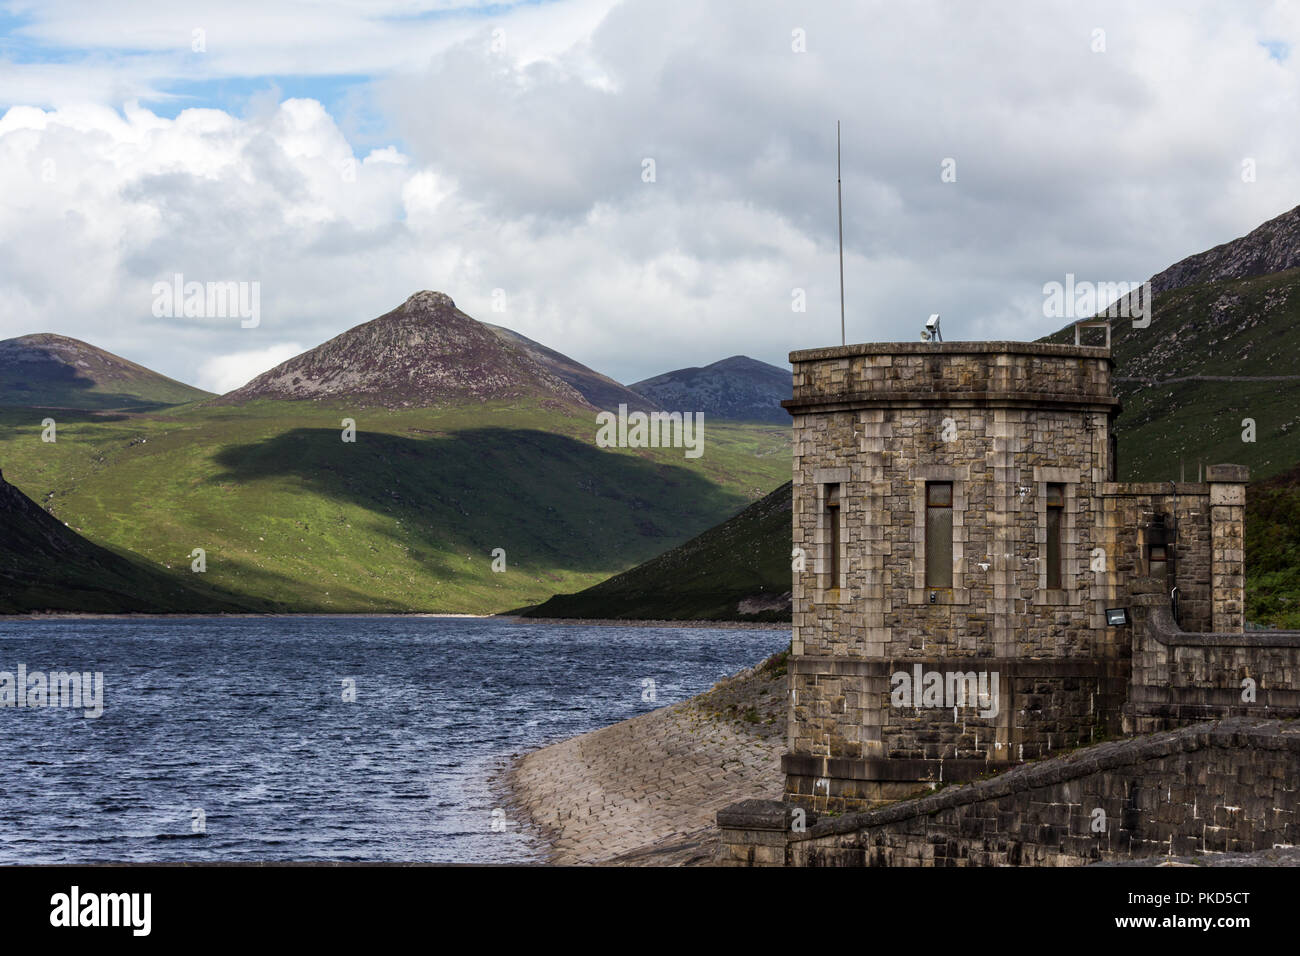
(839, 202)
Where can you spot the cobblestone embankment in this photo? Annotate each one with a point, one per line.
(645, 791)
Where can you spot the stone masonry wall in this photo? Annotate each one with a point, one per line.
(1211, 787)
(1129, 512)
(1179, 677)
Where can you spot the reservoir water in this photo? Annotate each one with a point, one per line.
(358, 739)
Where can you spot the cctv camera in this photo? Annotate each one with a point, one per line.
(932, 322)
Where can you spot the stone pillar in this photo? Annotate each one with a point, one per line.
(756, 832)
(1227, 542)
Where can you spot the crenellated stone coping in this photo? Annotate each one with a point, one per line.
(1163, 628)
(951, 348)
(1230, 732)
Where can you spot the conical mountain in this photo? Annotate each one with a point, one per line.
(426, 352)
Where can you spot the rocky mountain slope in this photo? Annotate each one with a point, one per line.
(1219, 357)
(54, 371)
(1267, 249)
(599, 390)
(734, 389)
(426, 352)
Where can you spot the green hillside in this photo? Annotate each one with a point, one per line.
(739, 570)
(45, 566)
(404, 519)
(1214, 355)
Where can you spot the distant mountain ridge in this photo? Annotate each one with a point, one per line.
(738, 388)
(426, 352)
(55, 371)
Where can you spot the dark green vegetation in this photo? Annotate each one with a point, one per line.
(43, 565)
(59, 372)
(739, 570)
(1214, 355)
(1273, 551)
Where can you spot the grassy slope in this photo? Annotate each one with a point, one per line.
(45, 566)
(747, 556)
(405, 519)
(1248, 327)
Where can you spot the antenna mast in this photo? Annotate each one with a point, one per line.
(839, 202)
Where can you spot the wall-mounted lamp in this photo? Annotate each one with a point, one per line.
(1116, 616)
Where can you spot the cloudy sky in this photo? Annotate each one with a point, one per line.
(346, 154)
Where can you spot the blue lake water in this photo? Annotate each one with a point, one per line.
(244, 720)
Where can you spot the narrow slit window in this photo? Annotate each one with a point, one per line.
(1158, 560)
(1055, 509)
(938, 534)
(833, 534)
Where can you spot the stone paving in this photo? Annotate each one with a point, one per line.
(645, 791)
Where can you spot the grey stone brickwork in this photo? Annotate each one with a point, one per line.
(1229, 786)
(1000, 421)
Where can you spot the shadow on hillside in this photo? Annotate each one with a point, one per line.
(19, 416)
(552, 502)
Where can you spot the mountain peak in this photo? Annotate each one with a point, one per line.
(426, 301)
(423, 353)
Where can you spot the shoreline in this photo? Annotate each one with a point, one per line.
(632, 622)
(171, 615)
(645, 791)
(380, 615)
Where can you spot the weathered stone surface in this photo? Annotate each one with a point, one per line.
(1001, 421)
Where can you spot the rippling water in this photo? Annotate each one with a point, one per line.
(244, 720)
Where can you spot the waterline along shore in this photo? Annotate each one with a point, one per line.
(645, 791)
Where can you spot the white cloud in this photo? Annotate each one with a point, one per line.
(224, 373)
(520, 169)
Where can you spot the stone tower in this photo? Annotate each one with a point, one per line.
(959, 535)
